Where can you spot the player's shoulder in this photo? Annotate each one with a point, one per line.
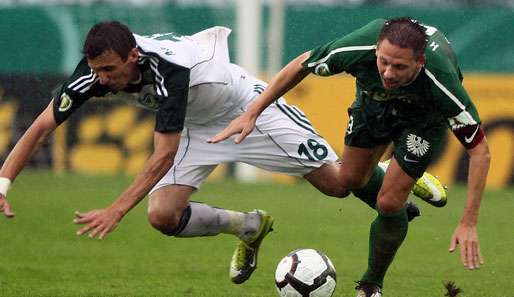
(372, 28)
(82, 79)
(365, 35)
(376, 24)
(440, 56)
(81, 69)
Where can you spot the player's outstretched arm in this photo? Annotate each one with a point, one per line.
(99, 222)
(286, 79)
(43, 126)
(466, 234)
(242, 125)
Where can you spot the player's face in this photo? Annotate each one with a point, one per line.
(397, 66)
(113, 71)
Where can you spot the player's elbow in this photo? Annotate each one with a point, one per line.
(160, 163)
(481, 152)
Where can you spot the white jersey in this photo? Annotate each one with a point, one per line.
(187, 80)
(206, 55)
(193, 88)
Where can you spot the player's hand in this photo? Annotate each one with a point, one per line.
(243, 124)
(98, 222)
(5, 207)
(467, 237)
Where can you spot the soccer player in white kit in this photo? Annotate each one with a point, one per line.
(194, 90)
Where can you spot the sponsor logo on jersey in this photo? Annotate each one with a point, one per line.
(66, 102)
(322, 70)
(386, 96)
(417, 145)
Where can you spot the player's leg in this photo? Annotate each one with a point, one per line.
(360, 172)
(389, 229)
(414, 149)
(167, 208)
(325, 179)
(171, 212)
(285, 141)
(428, 187)
(362, 152)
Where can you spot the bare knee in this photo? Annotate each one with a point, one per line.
(327, 179)
(335, 190)
(352, 182)
(164, 221)
(166, 206)
(388, 204)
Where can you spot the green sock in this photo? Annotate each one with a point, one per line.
(386, 235)
(368, 194)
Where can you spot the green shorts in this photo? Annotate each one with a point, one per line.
(417, 140)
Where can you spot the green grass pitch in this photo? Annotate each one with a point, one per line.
(40, 254)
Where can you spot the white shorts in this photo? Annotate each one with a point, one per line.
(282, 141)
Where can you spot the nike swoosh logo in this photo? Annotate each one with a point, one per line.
(252, 264)
(409, 160)
(470, 139)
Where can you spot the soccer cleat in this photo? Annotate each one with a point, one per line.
(427, 187)
(244, 259)
(368, 290)
(412, 210)
(430, 190)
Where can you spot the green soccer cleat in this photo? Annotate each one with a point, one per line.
(430, 189)
(244, 259)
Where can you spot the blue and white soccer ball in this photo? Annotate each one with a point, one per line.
(305, 273)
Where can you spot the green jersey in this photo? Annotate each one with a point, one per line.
(436, 94)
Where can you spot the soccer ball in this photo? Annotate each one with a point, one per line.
(305, 273)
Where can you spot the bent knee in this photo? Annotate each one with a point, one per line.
(165, 222)
(351, 182)
(388, 204)
(336, 191)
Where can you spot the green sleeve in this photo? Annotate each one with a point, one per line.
(345, 53)
(445, 80)
(453, 101)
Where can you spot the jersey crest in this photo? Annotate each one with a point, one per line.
(322, 70)
(417, 145)
(66, 102)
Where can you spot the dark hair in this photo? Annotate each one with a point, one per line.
(405, 33)
(106, 36)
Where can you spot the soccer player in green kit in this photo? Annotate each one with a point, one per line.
(409, 91)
